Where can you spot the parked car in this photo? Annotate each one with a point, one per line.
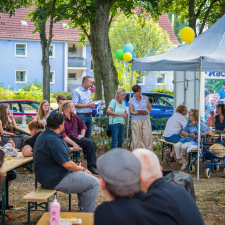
(162, 106)
(21, 106)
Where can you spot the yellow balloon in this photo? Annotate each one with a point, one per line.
(127, 56)
(187, 34)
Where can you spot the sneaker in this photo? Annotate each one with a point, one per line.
(184, 166)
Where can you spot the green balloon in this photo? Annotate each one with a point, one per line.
(119, 54)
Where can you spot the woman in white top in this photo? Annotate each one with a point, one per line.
(43, 111)
(117, 114)
(174, 126)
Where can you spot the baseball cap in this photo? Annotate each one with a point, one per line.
(119, 167)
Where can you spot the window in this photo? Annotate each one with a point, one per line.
(141, 80)
(91, 69)
(165, 101)
(14, 107)
(52, 77)
(52, 51)
(72, 50)
(161, 79)
(24, 23)
(72, 76)
(65, 26)
(21, 77)
(21, 50)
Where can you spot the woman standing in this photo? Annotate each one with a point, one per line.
(43, 111)
(117, 114)
(190, 136)
(4, 119)
(140, 107)
(219, 120)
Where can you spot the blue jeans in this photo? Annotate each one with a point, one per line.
(174, 138)
(118, 131)
(88, 122)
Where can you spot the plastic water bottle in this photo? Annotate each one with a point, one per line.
(24, 121)
(54, 212)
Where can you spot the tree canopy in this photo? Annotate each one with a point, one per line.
(147, 37)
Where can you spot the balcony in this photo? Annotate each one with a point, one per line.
(75, 61)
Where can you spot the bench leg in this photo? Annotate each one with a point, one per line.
(162, 150)
(28, 219)
(69, 202)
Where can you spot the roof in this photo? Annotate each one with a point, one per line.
(11, 28)
(165, 24)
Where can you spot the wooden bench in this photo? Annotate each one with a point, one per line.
(166, 144)
(38, 198)
(171, 145)
(74, 153)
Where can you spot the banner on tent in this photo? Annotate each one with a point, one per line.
(214, 91)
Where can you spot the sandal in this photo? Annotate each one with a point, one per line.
(168, 158)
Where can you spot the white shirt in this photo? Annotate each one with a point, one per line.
(175, 124)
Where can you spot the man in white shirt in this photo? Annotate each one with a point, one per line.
(174, 127)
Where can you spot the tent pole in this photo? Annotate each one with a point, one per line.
(128, 121)
(199, 122)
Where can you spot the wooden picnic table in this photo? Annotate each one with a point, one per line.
(8, 165)
(87, 218)
(19, 128)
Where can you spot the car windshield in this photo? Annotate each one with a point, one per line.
(30, 107)
(165, 101)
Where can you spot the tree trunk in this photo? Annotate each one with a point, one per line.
(192, 17)
(97, 75)
(101, 50)
(45, 56)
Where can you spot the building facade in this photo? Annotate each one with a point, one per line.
(21, 55)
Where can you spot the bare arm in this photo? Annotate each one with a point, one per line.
(131, 109)
(111, 113)
(4, 132)
(184, 133)
(82, 134)
(88, 105)
(71, 166)
(27, 151)
(69, 141)
(12, 120)
(149, 106)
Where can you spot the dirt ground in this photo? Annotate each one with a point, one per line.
(210, 196)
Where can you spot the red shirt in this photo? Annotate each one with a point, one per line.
(72, 125)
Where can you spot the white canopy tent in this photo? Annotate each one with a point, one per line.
(205, 53)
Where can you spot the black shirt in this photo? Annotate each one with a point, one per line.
(218, 124)
(31, 141)
(157, 207)
(49, 153)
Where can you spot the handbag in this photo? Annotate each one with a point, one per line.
(17, 139)
(108, 129)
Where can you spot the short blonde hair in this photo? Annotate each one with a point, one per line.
(180, 108)
(65, 105)
(36, 124)
(119, 92)
(195, 114)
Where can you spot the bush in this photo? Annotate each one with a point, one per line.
(67, 94)
(30, 92)
(162, 90)
(30, 86)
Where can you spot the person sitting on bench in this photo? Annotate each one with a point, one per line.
(55, 170)
(36, 127)
(174, 126)
(73, 123)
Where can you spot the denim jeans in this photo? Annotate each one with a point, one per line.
(118, 131)
(88, 122)
(174, 138)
